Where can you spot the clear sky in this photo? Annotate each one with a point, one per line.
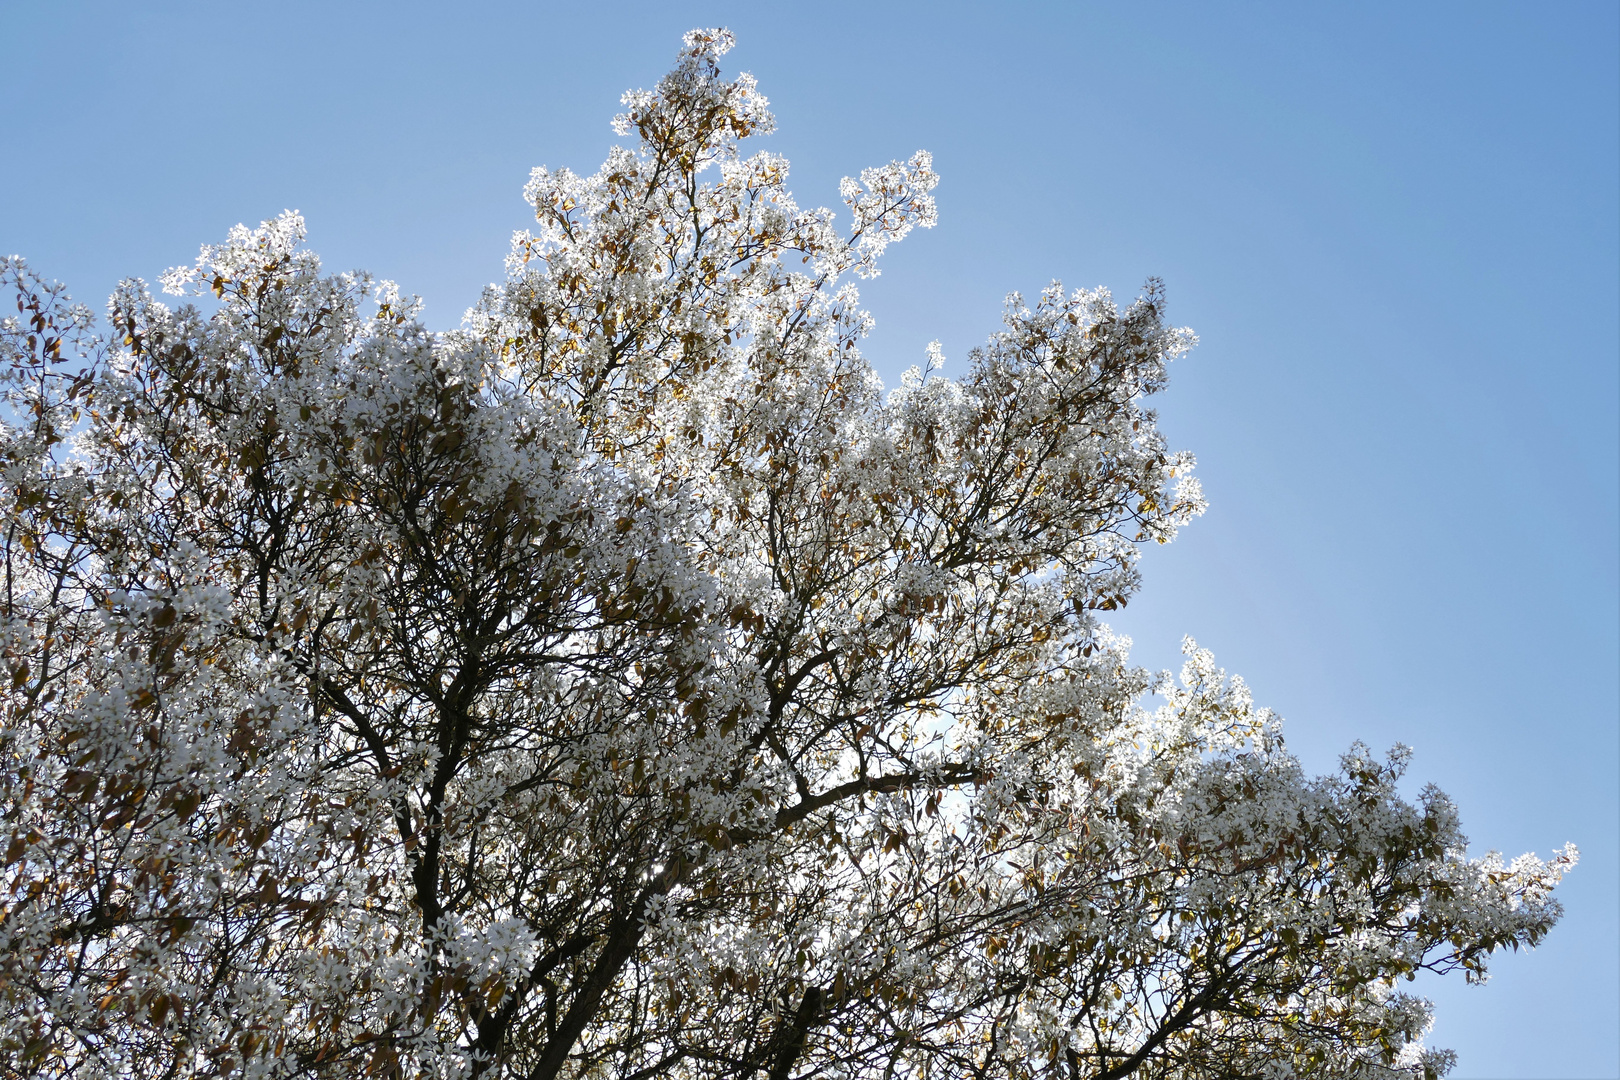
(1395, 228)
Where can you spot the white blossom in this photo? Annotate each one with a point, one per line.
(624, 684)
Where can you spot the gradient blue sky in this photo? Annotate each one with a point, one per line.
(1395, 227)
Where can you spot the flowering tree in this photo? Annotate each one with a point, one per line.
(625, 686)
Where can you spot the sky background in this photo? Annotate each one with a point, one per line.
(1394, 227)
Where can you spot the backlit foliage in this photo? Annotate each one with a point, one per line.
(625, 685)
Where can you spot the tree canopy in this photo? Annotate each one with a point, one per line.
(625, 685)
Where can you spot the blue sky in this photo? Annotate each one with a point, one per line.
(1394, 227)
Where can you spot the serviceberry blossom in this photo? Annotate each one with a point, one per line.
(626, 684)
